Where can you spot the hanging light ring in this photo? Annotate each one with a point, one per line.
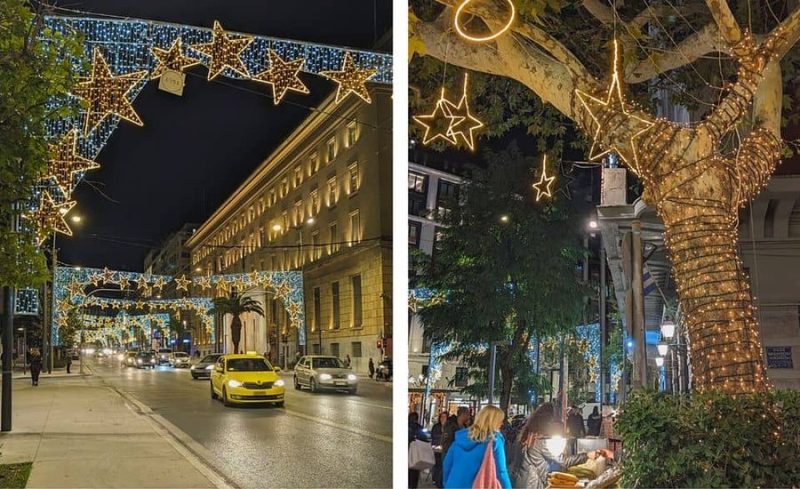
(466, 35)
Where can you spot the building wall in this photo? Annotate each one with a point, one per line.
(321, 203)
(770, 249)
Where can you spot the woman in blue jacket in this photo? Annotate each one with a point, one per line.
(464, 458)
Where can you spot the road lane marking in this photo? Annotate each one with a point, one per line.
(368, 434)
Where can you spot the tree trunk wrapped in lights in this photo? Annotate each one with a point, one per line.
(696, 189)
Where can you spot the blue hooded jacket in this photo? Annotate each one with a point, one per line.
(464, 458)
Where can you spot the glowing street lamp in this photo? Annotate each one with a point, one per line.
(667, 330)
(659, 361)
(662, 349)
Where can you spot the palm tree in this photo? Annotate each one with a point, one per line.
(236, 305)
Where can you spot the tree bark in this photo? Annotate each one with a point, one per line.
(236, 333)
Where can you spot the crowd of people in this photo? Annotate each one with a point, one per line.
(521, 456)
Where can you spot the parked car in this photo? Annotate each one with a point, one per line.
(318, 372)
(145, 360)
(384, 370)
(163, 356)
(203, 368)
(179, 359)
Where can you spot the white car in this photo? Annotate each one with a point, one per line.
(319, 372)
(179, 359)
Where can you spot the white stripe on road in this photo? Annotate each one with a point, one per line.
(369, 434)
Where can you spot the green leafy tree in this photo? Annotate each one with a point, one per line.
(68, 331)
(36, 66)
(508, 266)
(236, 305)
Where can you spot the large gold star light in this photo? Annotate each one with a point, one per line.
(50, 216)
(464, 123)
(171, 59)
(351, 79)
(439, 123)
(224, 52)
(65, 162)
(606, 113)
(107, 94)
(282, 75)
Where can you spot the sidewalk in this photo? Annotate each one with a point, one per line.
(57, 372)
(79, 433)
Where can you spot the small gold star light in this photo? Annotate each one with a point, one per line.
(107, 94)
(240, 284)
(542, 187)
(612, 113)
(282, 75)
(204, 283)
(351, 79)
(50, 217)
(223, 52)
(95, 279)
(159, 283)
(142, 283)
(108, 275)
(439, 123)
(171, 59)
(123, 282)
(464, 123)
(66, 162)
(182, 283)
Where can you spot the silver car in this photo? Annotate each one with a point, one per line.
(318, 372)
(179, 359)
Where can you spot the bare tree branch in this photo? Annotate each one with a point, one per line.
(727, 24)
(704, 41)
(786, 34)
(768, 101)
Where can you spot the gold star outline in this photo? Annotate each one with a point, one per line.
(171, 59)
(542, 187)
(351, 79)
(66, 162)
(50, 216)
(182, 283)
(282, 75)
(224, 52)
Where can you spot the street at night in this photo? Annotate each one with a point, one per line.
(317, 440)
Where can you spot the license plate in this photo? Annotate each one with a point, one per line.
(260, 393)
(340, 382)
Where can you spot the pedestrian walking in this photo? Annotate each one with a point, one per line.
(455, 423)
(464, 461)
(437, 433)
(347, 360)
(594, 422)
(36, 366)
(69, 361)
(414, 433)
(530, 460)
(371, 367)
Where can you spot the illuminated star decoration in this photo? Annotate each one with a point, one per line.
(141, 283)
(159, 283)
(542, 187)
(123, 282)
(605, 114)
(204, 282)
(464, 123)
(50, 217)
(95, 279)
(107, 94)
(171, 59)
(351, 79)
(439, 123)
(182, 283)
(223, 52)
(108, 275)
(282, 75)
(565, 171)
(66, 162)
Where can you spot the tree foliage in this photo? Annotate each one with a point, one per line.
(236, 305)
(508, 266)
(36, 66)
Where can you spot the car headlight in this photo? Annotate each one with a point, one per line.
(325, 377)
(152, 360)
(352, 377)
(192, 368)
(234, 383)
(279, 383)
(139, 360)
(210, 367)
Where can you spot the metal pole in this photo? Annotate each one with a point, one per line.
(492, 362)
(49, 319)
(603, 325)
(640, 345)
(8, 347)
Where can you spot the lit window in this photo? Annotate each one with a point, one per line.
(315, 201)
(285, 219)
(333, 193)
(355, 227)
(298, 176)
(333, 231)
(298, 212)
(352, 134)
(272, 197)
(316, 252)
(416, 182)
(355, 181)
(331, 150)
(313, 164)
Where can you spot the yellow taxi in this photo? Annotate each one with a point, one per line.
(246, 379)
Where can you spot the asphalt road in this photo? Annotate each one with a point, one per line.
(317, 440)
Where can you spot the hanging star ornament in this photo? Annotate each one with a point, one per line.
(351, 79)
(542, 187)
(282, 75)
(224, 52)
(65, 163)
(50, 217)
(450, 122)
(464, 123)
(171, 59)
(612, 113)
(107, 94)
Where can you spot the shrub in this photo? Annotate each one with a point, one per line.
(711, 440)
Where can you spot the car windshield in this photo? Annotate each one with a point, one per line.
(181, 354)
(132, 354)
(248, 365)
(209, 359)
(327, 362)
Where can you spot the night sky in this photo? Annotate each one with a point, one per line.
(195, 150)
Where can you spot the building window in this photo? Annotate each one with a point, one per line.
(462, 376)
(414, 229)
(315, 204)
(272, 197)
(330, 149)
(285, 221)
(355, 227)
(335, 349)
(284, 186)
(355, 181)
(316, 349)
(352, 134)
(316, 251)
(333, 192)
(357, 310)
(417, 183)
(333, 229)
(313, 164)
(446, 197)
(356, 347)
(337, 319)
(298, 176)
(298, 212)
